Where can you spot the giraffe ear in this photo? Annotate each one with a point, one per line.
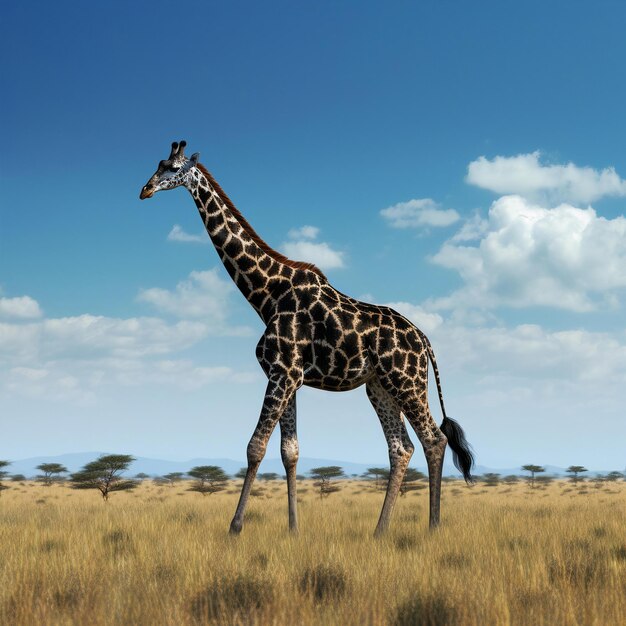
(194, 157)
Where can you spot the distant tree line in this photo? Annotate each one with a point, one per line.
(106, 475)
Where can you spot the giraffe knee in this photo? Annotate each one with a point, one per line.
(436, 441)
(256, 451)
(401, 452)
(289, 452)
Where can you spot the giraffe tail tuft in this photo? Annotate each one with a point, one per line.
(461, 450)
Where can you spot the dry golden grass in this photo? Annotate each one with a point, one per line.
(162, 555)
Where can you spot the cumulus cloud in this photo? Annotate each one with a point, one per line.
(178, 234)
(530, 352)
(22, 307)
(202, 295)
(95, 336)
(80, 380)
(67, 359)
(529, 255)
(419, 213)
(525, 175)
(71, 358)
(54, 384)
(303, 247)
(424, 320)
(304, 232)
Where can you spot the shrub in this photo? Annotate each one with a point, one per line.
(324, 582)
(229, 597)
(434, 609)
(406, 542)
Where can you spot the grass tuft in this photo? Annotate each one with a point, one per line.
(406, 542)
(229, 598)
(433, 609)
(324, 583)
(119, 542)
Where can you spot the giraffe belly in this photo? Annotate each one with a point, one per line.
(337, 379)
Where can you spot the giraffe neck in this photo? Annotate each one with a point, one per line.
(260, 273)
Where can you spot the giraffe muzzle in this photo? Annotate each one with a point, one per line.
(146, 192)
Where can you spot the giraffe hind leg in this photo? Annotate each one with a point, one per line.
(434, 443)
(398, 442)
(411, 395)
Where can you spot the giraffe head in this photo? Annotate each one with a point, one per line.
(172, 173)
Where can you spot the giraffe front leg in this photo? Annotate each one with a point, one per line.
(278, 394)
(289, 451)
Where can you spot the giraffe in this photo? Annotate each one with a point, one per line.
(316, 336)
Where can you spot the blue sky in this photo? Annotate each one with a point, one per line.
(464, 162)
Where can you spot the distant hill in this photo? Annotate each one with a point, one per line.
(158, 467)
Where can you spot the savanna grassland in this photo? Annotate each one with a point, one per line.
(162, 555)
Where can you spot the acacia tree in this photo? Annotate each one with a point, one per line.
(491, 479)
(614, 476)
(173, 477)
(511, 479)
(411, 479)
(51, 472)
(574, 470)
(241, 473)
(378, 474)
(208, 479)
(104, 474)
(533, 469)
(323, 477)
(3, 474)
(268, 476)
(544, 481)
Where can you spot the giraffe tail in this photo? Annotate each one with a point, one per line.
(461, 450)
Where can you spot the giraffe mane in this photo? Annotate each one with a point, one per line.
(277, 256)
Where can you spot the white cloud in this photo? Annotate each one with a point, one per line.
(178, 234)
(80, 380)
(473, 228)
(186, 374)
(419, 213)
(304, 232)
(53, 384)
(22, 307)
(203, 295)
(91, 336)
(320, 253)
(527, 255)
(304, 248)
(70, 359)
(525, 175)
(423, 319)
(532, 353)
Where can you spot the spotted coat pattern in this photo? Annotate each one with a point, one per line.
(319, 337)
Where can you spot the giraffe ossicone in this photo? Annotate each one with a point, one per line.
(317, 336)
